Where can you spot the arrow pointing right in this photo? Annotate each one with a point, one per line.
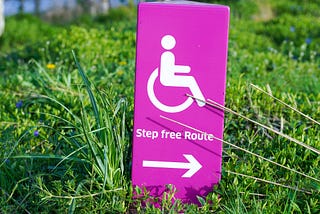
(192, 165)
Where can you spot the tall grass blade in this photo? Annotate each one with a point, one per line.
(290, 203)
(60, 104)
(105, 135)
(90, 141)
(68, 156)
(14, 146)
(89, 91)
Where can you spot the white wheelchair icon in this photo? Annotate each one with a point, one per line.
(168, 77)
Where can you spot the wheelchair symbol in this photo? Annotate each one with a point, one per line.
(167, 72)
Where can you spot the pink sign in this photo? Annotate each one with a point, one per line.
(181, 49)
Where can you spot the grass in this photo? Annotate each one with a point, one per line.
(66, 117)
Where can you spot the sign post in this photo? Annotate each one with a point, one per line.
(181, 49)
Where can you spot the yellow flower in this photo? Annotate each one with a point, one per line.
(51, 66)
(120, 72)
(122, 63)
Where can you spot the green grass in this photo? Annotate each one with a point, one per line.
(66, 130)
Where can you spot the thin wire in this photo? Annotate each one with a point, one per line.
(247, 151)
(219, 106)
(285, 104)
(269, 182)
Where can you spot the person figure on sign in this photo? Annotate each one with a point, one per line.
(169, 71)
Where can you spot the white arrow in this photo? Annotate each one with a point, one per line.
(192, 165)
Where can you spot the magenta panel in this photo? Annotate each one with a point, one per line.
(181, 49)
